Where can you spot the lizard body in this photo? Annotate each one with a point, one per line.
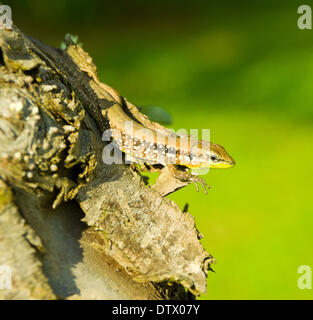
(158, 146)
(153, 144)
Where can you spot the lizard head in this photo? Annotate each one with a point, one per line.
(205, 154)
(217, 157)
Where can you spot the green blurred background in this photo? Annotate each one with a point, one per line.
(242, 69)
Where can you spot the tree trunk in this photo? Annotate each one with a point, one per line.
(71, 226)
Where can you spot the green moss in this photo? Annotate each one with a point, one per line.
(6, 195)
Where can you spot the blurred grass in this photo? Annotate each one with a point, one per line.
(257, 219)
(244, 71)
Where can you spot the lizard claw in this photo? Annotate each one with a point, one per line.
(204, 185)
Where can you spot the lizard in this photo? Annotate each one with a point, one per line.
(160, 146)
(151, 143)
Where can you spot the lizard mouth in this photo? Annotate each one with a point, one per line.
(223, 165)
(219, 165)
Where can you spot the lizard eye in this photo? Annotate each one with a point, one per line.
(213, 158)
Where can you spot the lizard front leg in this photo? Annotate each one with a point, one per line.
(173, 177)
(184, 174)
